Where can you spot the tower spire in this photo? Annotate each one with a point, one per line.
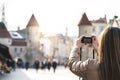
(3, 14)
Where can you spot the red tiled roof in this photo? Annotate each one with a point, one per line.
(32, 22)
(18, 42)
(3, 31)
(84, 20)
(100, 20)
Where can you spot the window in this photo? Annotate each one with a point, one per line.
(20, 49)
(15, 49)
(9, 40)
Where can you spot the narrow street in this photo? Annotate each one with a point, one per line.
(21, 74)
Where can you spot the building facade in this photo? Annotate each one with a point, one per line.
(57, 46)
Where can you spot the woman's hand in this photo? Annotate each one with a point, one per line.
(78, 42)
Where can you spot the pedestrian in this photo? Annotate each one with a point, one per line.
(20, 63)
(43, 65)
(54, 65)
(13, 65)
(26, 65)
(107, 65)
(36, 65)
(48, 64)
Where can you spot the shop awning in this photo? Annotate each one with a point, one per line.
(4, 50)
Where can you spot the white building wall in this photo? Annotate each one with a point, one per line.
(98, 28)
(47, 48)
(6, 41)
(85, 30)
(18, 51)
(62, 50)
(53, 45)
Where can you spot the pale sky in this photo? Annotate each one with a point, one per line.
(54, 16)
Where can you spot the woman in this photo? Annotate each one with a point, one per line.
(107, 66)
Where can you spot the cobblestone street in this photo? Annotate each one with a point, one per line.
(21, 74)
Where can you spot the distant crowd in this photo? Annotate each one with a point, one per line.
(6, 67)
(37, 65)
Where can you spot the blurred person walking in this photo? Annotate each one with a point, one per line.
(54, 65)
(36, 65)
(48, 64)
(26, 65)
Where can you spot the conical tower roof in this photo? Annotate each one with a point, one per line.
(84, 20)
(3, 31)
(32, 22)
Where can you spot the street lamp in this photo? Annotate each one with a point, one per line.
(115, 22)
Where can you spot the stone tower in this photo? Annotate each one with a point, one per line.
(33, 40)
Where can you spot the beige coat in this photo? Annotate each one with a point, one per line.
(87, 69)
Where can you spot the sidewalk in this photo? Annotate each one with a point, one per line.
(31, 74)
(60, 74)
